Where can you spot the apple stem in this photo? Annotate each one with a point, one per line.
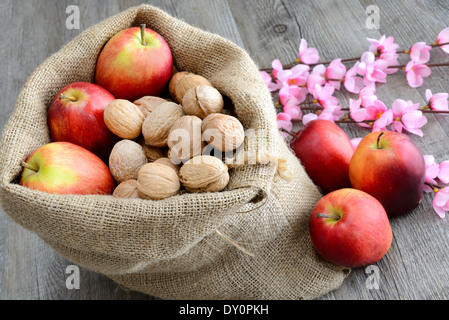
(328, 216)
(378, 139)
(64, 97)
(29, 166)
(142, 32)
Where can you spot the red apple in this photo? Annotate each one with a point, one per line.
(66, 168)
(391, 168)
(136, 62)
(325, 151)
(76, 115)
(350, 228)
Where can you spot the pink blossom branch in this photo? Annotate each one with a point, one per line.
(292, 64)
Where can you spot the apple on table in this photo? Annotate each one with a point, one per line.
(136, 62)
(390, 167)
(76, 115)
(66, 168)
(325, 151)
(350, 228)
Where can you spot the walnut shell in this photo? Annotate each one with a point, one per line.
(127, 189)
(124, 119)
(125, 160)
(148, 104)
(157, 125)
(167, 161)
(152, 153)
(174, 82)
(187, 82)
(223, 132)
(204, 174)
(202, 101)
(157, 181)
(185, 139)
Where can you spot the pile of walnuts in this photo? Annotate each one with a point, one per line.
(167, 144)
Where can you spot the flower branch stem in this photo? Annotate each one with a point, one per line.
(288, 131)
(434, 186)
(402, 66)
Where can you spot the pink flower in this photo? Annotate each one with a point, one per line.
(316, 78)
(385, 120)
(307, 55)
(329, 113)
(284, 121)
(272, 86)
(371, 69)
(385, 49)
(352, 82)
(357, 113)
(335, 71)
(293, 111)
(383, 45)
(415, 72)
(443, 37)
(324, 95)
(296, 76)
(367, 96)
(309, 117)
(441, 202)
(443, 171)
(375, 110)
(292, 95)
(407, 116)
(438, 101)
(391, 59)
(435, 171)
(277, 66)
(333, 112)
(420, 52)
(432, 169)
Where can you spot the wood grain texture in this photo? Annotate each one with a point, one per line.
(416, 265)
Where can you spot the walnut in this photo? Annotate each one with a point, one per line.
(223, 132)
(187, 82)
(173, 83)
(148, 104)
(124, 119)
(127, 189)
(185, 139)
(204, 174)
(125, 160)
(167, 161)
(201, 101)
(157, 181)
(152, 153)
(157, 125)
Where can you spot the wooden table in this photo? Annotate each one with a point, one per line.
(416, 266)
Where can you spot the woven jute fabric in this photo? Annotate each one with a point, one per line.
(250, 241)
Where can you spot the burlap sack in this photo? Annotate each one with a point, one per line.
(250, 241)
